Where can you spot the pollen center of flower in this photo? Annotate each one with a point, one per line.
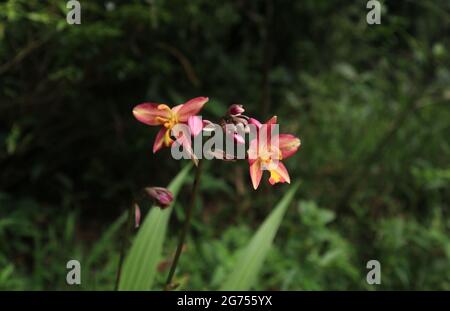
(268, 155)
(170, 121)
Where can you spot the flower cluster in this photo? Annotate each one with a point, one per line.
(266, 149)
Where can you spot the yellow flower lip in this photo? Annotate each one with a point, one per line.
(274, 176)
(167, 138)
(170, 121)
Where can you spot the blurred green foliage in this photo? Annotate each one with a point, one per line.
(370, 103)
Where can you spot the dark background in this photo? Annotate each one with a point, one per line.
(370, 103)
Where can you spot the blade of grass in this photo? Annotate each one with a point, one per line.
(251, 258)
(139, 268)
(100, 250)
(100, 247)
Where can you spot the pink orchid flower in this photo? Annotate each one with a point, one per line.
(162, 115)
(266, 153)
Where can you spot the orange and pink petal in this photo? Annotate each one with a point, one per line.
(256, 173)
(272, 120)
(149, 113)
(279, 174)
(191, 108)
(252, 151)
(288, 145)
(159, 140)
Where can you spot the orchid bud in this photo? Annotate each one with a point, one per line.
(137, 215)
(162, 196)
(235, 110)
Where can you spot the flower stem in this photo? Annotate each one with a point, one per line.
(185, 229)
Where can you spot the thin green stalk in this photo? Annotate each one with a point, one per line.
(186, 226)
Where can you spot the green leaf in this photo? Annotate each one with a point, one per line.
(139, 268)
(101, 246)
(253, 255)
